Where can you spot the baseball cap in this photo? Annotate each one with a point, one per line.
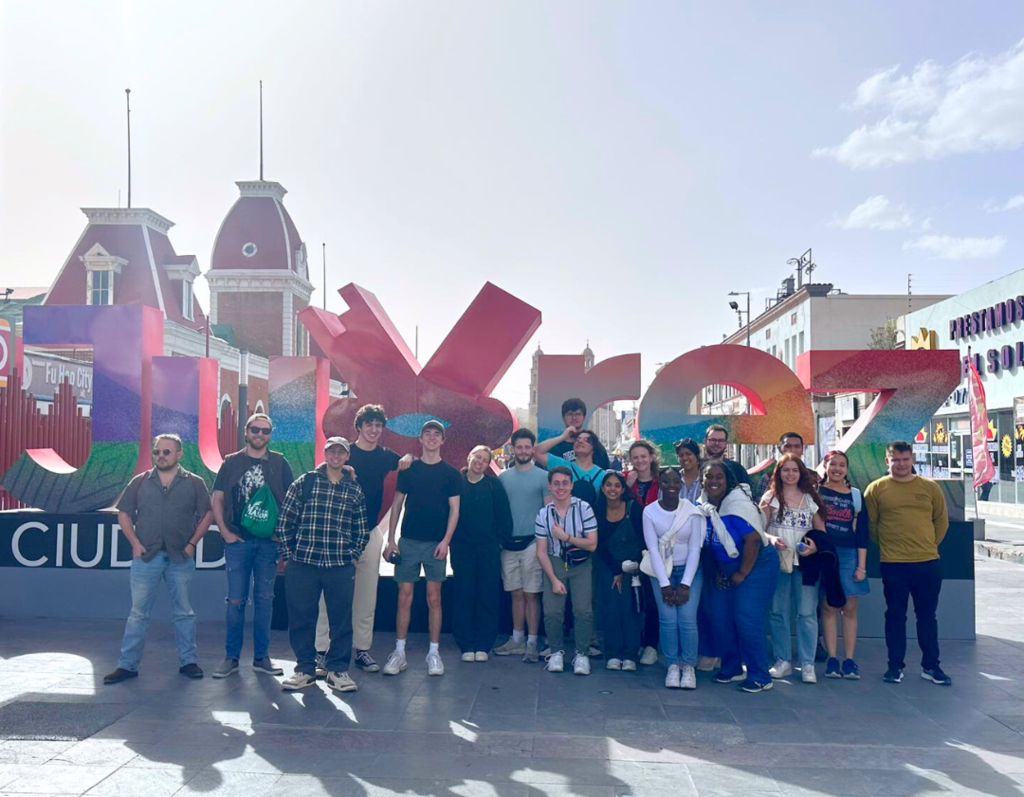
(432, 424)
(337, 441)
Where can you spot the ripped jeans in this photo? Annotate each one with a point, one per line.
(252, 561)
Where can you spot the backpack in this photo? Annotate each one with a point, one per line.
(858, 503)
(259, 517)
(583, 485)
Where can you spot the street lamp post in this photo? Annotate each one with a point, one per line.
(739, 312)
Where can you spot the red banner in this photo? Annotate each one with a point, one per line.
(984, 470)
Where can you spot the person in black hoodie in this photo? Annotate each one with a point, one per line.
(619, 531)
(484, 519)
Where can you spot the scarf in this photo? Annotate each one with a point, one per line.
(739, 504)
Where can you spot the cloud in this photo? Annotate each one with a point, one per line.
(876, 213)
(946, 247)
(1012, 203)
(973, 105)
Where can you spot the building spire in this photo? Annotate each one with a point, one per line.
(261, 134)
(128, 105)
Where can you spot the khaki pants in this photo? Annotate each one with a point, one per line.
(578, 581)
(364, 601)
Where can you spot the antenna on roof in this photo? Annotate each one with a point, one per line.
(128, 105)
(261, 131)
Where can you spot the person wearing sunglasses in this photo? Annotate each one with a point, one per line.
(163, 513)
(251, 560)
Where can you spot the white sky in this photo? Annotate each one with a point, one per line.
(619, 166)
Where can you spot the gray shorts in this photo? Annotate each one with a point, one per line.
(414, 554)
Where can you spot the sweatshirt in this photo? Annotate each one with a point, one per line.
(906, 519)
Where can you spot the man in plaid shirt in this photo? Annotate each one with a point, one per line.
(322, 529)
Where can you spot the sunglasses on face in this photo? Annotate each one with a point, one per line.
(162, 451)
(263, 430)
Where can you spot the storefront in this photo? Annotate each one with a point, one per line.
(985, 324)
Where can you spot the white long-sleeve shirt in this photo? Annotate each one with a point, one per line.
(686, 551)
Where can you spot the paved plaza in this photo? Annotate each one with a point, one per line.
(506, 728)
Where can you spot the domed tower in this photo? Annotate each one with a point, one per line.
(258, 276)
(588, 357)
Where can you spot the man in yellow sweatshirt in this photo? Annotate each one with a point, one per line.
(907, 520)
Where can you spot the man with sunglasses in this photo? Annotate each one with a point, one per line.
(250, 560)
(163, 513)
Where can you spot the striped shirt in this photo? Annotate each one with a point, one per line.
(330, 529)
(579, 521)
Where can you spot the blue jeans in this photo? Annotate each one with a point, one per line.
(678, 624)
(739, 614)
(250, 561)
(144, 579)
(790, 592)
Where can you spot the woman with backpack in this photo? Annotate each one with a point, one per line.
(618, 521)
(847, 527)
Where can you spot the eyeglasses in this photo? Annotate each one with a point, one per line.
(164, 451)
(263, 430)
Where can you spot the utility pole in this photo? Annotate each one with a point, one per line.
(128, 105)
(261, 131)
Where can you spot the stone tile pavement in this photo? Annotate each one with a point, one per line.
(506, 729)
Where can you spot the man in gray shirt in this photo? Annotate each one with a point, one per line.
(163, 512)
(526, 486)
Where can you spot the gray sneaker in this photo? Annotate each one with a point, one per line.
(531, 657)
(226, 668)
(511, 648)
(267, 666)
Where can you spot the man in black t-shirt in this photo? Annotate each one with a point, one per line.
(250, 560)
(574, 413)
(372, 463)
(430, 492)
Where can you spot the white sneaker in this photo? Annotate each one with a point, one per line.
(531, 656)
(396, 662)
(613, 664)
(807, 673)
(649, 656)
(780, 669)
(511, 648)
(687, 677)
(481, 655)
(468, 656)
(546, 653)
(298, 680)
(581, 665)
(629, 665)
(555, 662)
(672, 677)
(434, 664)
(341, 682)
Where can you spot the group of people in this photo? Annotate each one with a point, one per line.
(688, 560)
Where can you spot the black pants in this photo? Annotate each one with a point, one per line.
(618, 618)
(922, 581)
(303, 585)
(477, 594)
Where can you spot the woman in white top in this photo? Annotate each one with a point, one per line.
(792, 508)
(673, 531)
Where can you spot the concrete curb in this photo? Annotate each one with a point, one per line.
(1000, 550)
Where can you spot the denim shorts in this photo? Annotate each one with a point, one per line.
(416, 553)
(847, 565)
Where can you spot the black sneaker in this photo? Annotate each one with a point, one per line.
(119, 675)
(722, 677)
(365, 662)
(937, 676)
(753, 687)
(893, 675)
(191, 671)
(832, 668)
